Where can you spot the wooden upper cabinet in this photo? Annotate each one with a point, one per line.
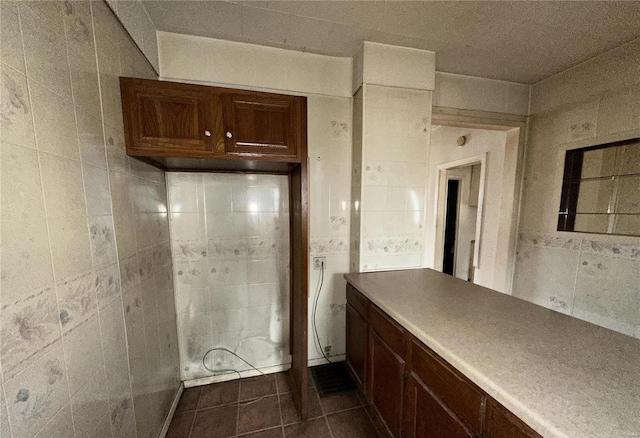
(171, 119)
(261, 124)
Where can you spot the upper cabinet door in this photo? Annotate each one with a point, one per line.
(165, 119)
(260, 124)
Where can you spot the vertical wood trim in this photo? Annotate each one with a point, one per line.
(299, 229)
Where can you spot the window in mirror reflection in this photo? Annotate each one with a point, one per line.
(601, 189)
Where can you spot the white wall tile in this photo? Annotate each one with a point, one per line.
(21, 197)
(590, 104)
(233, 262)
(17, 112)
(12, 47)
(39, 392)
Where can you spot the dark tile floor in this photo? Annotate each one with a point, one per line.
(205, 412)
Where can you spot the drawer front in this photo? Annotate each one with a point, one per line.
(357, 300)
(453, 389)
(388, 330)
(500, 423)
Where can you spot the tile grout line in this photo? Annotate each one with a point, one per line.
(195, 415)
(238, 405)
(92, 17)
(275, 381)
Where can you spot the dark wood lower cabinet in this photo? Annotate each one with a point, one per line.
(415, 392)
(427, 417)
(500, 423)
(357, 344)
(386, 383)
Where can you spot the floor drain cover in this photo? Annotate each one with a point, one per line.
(332, 378)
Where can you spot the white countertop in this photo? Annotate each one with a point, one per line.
(564, 377)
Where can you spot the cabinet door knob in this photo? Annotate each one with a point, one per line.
(229, 134)
(207, 133)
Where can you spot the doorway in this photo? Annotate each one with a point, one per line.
(459, 141)
(451, 227)
(461, 217)
(459, 209)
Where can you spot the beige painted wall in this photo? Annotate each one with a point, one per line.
(592, 277)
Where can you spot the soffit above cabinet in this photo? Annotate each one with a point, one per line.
(519, 41)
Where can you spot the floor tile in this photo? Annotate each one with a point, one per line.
(289, 412)
(259, 415)
(181, 425)
(269, 433)
(255, 387)
(310, 429)
(215, 422)
(339, 402)
(283, 383)
(219, 394)
(351, 424)
(189, 399)
(377, 422)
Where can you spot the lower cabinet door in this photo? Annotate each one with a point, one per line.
(426, 417)
(357, 334)
(500, 423)
(386, 382)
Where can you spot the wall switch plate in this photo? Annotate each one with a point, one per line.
(318, 262)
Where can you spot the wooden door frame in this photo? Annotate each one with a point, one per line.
(299, 278)
(440, 206)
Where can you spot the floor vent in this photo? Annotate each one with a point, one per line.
(332, 378)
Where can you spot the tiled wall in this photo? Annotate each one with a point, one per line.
(230, 241)
(593, 277)
(329, 136)
(396, 124)
(75, 218)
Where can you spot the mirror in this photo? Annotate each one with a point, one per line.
(601, 189)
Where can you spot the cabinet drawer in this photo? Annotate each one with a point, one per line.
(388, 330)
(500, 423)
(454, 390)
(357, 300)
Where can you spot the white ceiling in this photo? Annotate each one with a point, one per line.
(519, 41)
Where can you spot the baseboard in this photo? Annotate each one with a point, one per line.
(322, 360)
(253, 373)
(174, 405)
(234, 376)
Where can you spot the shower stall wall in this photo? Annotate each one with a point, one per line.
(231, 246)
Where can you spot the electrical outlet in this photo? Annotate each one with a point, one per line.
(318, 262)
(327, 350)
